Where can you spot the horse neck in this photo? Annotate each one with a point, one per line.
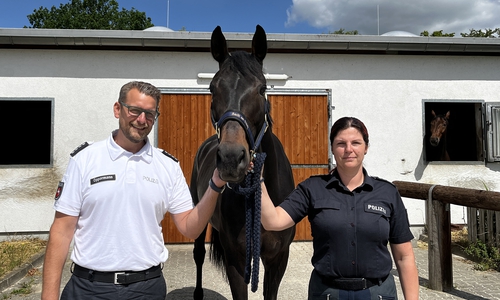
(267, 146)
(442, 145)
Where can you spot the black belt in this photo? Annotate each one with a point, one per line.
(125, 277)
(352, 284)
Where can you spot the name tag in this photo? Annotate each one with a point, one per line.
(102, 179)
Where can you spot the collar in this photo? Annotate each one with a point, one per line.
(335, 181)
(115, 151)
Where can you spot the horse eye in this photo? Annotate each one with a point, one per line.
(263, 90)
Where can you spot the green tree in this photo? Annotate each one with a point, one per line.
(488, 33)
(342, 31)
(89, 14)
(437, 33)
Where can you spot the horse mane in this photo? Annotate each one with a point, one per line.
(242, 62)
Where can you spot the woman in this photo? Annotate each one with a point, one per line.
(353, 216)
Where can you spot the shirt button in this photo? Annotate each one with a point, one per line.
(353, 262)
(352, 208)
(352, 243)
(352, 224)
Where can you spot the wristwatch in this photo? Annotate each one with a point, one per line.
(214, 187)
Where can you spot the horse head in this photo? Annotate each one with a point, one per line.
(239, 108)
(439, 125)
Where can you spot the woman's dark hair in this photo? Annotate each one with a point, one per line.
(347, 122)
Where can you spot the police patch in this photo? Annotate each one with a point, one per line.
(59, 190)
(376, 209)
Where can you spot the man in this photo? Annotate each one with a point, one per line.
(111, 200)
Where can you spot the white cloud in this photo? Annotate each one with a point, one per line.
(407, 15)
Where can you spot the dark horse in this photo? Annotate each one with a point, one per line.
(240, 113)
(438, 128)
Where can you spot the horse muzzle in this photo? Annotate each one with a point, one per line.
(434, 141)
(232, 162)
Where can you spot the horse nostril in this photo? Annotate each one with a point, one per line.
(218, 157)
(241, 159)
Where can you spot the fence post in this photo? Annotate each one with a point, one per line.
(439, 251)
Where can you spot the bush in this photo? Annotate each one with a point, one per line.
(487, 256)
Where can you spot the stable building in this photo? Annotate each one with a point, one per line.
(57, 89)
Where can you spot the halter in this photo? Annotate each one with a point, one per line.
(240, 118)
(251, 190)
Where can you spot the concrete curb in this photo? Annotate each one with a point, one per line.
(18, 273)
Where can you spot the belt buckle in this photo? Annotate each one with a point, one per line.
(365, 286)
(116, 277)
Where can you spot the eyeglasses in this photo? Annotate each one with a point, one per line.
(137, 111)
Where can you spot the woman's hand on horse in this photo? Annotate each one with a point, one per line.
(250, 170)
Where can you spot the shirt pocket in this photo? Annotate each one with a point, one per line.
(326, 203)
(377, 219)
(326, 218)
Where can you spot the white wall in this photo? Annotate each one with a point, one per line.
(384, 91)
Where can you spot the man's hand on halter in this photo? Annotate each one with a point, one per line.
(250, 168)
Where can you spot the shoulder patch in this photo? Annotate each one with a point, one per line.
(169, 155)
(383, 180)
(80, 148)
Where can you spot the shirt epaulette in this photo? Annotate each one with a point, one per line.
(383, 180)
(169, 155)
(80, 148)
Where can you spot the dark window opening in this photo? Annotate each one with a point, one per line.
(28, 139)
(462, 140)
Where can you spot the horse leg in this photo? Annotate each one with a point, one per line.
(274, 269)
(199, 258)
(235, 275)
(234, 264)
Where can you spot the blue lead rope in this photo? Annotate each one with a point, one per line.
(252, 219)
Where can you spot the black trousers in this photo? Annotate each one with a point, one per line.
(83, 289)
(318, 290)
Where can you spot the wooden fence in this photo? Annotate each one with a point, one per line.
(438, 222)
(483, 225)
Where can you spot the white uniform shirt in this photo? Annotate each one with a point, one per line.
(121, 198)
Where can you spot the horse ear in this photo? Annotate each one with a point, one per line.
(259, 44)
(433, 113)
(448, 115)
(218, 46)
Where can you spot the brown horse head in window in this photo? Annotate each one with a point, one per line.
(439, 126)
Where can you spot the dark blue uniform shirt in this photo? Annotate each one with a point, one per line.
(350, 229)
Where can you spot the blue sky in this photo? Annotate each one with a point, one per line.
(295, 16)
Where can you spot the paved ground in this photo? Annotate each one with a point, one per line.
(180, 275)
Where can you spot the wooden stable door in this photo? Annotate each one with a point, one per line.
(300, 122)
